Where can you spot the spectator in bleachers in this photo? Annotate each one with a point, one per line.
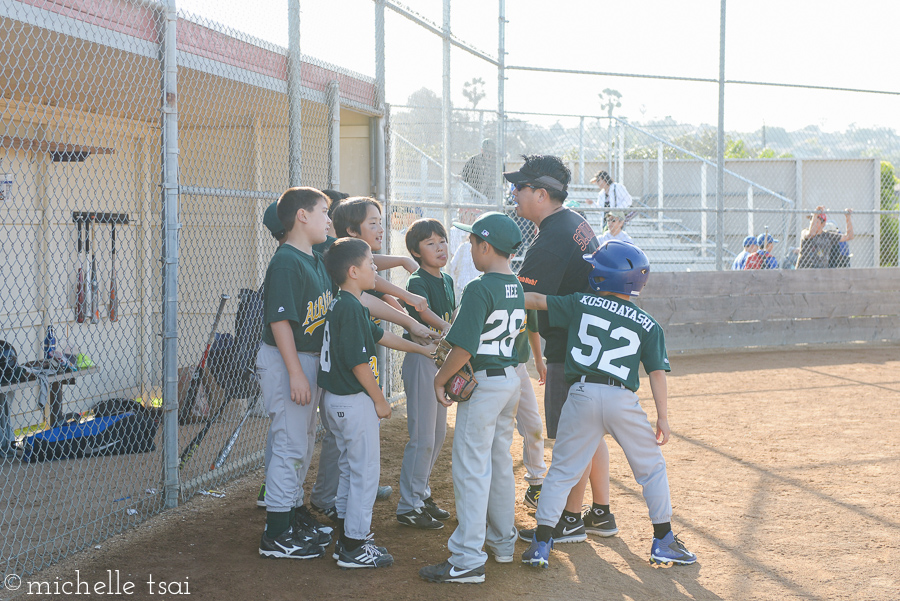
(482, 171)
(842, 258)
(750, 247)
(820, 248)
(613, 195)
(763, 258)
(615, 222)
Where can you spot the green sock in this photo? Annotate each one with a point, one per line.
(277, 522)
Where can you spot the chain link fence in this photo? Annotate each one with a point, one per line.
(151, 140)
(140, 149)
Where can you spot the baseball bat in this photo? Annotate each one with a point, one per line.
(79, 282)
(192, 446)
(95, 283)
(191, 396)
(113, 293)
(229, 445)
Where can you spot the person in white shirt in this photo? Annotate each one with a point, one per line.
(612, 195)
(615, 222)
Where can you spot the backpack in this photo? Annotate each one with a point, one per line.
(119, 426)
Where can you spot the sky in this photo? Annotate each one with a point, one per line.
(814, 42)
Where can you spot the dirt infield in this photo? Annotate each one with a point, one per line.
(784, 473)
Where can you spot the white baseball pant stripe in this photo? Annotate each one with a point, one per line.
(590, 412)
(483, 480)
(292, 427)
(355, 426)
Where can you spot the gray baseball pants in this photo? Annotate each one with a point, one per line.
(590, 412)
(355, 426)
(483, 480)
(325, 489)
(426, 421)
(531, 429)
(292, 427)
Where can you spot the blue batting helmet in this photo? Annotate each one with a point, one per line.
(619, 267)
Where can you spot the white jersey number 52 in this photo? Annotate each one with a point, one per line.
(606, 358)
(500, 339)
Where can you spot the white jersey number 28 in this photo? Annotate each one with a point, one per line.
(592, 343)
(499, 340)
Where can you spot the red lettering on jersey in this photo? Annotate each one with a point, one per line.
(528, 281)
(583, 235)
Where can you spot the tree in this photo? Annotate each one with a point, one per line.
(612, 98)
(473, 90)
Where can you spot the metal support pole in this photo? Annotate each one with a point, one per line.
(720, 150)
(334, 137)
(446, 110)
(501, 108)
(170, 227)
(750, 226)
(294, 87)
(581, 150)
(703, 215)
(659, 184)
(378, 167)
(620, 170)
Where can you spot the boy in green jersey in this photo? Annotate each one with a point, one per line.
(297, 294)
(426, 421)
(348, 369)
(608, 339)
(491, 315)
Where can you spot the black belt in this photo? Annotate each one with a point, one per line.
(601, 380)
(495, 372)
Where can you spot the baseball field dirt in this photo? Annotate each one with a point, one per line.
(785, 474)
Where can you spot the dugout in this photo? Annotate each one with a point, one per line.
(81, 117)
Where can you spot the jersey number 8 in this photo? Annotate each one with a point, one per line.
(594, 346)
(508, 323)
(325, 355)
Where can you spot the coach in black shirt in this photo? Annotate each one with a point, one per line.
(554, 265)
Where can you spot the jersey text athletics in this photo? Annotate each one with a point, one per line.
(614, 307)
(315, 312)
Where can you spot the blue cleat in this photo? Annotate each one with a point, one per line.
(670, 550)
(538, 554)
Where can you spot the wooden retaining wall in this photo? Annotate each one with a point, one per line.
(729, 309)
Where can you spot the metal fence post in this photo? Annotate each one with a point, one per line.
(720, 149)
(446, 109)
(659, 185)
(581, 150)
(295, 124)
(501, 100)
(750, 227)
(703, 194)
(169, 232)
(334, 137)
(620, 168)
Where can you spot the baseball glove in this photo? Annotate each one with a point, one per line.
(462, 384)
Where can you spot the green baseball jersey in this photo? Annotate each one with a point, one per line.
(607, 336)
(298, 289)
(321, 247)
(491, 314)
(437, 291)
(523, 349)
(348, 340)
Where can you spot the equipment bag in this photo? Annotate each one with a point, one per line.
(119, 426)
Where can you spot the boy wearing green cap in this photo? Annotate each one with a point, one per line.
(491, 314)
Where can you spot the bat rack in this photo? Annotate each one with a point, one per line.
(92, 217)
